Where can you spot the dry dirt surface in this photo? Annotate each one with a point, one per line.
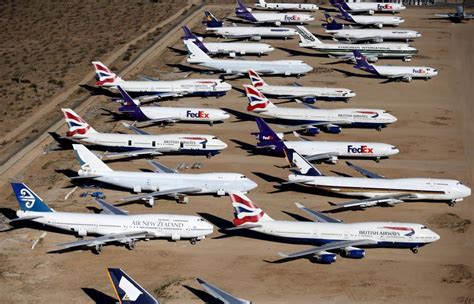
(435, 136)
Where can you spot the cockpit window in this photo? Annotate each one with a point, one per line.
(394, 147)
(459, 183)
(214, 137)
(424, 227)
(243, 176)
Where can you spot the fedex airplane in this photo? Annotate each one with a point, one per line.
(327, 151)
(368, 7)
(457, 17)
(113, 226)
(128, 291)
(353, 35)
(230, 48)
(329, 235)
(262, 4)
(152, 89)
(217, 27)
(345, 50)
(377, 21)
(141, 143)
(312, 119)
(275, 18)
(307, 94)
(161, 182)
(241, 67)
(404, 73)
(376, 189)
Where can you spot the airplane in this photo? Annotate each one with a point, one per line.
(262, 4)
(368, 7)
(327, 151)
(275, 18)
(403, 73)
(128, 291)
(373, 51)
(230, 48)
(113, 226)
(311, 120)
(217, 27)
(376, 189)
(161, 182)
(155, 114)
(458, 16)
(153, 89)
(141, 143)
(307, 94)
(220, 294)
(330, 235)
(355, 35)
(377, 21)
(241, 67)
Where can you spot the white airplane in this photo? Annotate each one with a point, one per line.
(262, 4)
(246, 32)
(377, 21)
(329, 234)
(404, 73)
(160, 115)
(141, 143)
(112, 226)
(152, 89)
(221, 295)
(312, 119)
(327, 151)
(127, 290)
(241, 67)
(307, 94)
(162, 182)
(368, 7)
(376, 189)
(275, 18)
(373, 51)
(354, 35)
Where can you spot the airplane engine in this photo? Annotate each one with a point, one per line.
(377, 40)
(81, 232)
(312, 131)
(332, 160)
(232, 54)
(407, 79)
(379, 25)
(256, 38)
(353, 253)
(371, 12)
(324, 257)
(333, 129)
(277, 23)
(310, 100)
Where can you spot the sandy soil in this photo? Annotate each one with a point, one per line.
(434, 133)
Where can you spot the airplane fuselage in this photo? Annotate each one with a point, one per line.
(412, 72)
(177, 113)
(287, 6)
(357, 7)
(279, 18)
(252, 32)
(377, 20)
(238, 48)
(296, 91)
(374, 34)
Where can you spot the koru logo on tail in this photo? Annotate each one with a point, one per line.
(27, 197)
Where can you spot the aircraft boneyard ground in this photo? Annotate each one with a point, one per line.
(435, 136)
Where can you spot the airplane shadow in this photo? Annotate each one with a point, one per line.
(241, 116)
(98, 296)
(293, 52)
(297, 217)
(190, 69)
(179, 52)
(202, 295)
(250, 149)
(99, 91)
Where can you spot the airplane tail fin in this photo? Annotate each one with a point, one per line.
(127, 290)
(256, 80)
(306, 37)
(362, 64)
(245, 211)
(89, 160)
(342, 6)
(305, 167)
(131, 107)
(195, 54)
(267, 137)
(212, 21)
(459, 10)
(243, 12)
(189, 35)
(77, 125)
(28, 200)
(257, 101)
(332, 23)
(104, 76)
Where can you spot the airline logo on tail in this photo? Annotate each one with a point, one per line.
(103, 74)
(76, 124)
(255, 79)
(256, 99)
(244, 210)
(27, 197)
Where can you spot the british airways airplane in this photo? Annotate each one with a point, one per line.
(377, 21)
(275, 18)
(330, 235)
(368, 7)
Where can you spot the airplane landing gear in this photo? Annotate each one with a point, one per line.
(193, 241)
(97, 249)
(379, 128)
(414, 250)
(452, 204)
(130, 245)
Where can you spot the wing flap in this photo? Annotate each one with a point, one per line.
(328, 246)
(114, 237)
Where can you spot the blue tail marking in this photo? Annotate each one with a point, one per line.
(212, 21)
(129, 291)
(28, 200)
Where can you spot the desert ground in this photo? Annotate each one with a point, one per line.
(434, 133)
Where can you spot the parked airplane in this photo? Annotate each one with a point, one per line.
(241, 67)
(220, 294)
(330, 234)
(458, 16)
(161, 115)
(162, 182)
(141, 143)
(404, 73)
(127, 290)
(230, 48)
(275, 18)
(377, 21)
(376, 189)
(312, 119)
(344, 50)
(153, 89)
(113, 226)
(246, 32)
(353, 35)
(262, 4)
(327, 151)
(307, 94)
(368, 7)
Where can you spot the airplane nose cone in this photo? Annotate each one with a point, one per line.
(251, 185)
(224, 115)
(466, 191)
(308, 68)
(418, 34)
(393, 150)
(225, 86)
(391, 118)
(434, 236)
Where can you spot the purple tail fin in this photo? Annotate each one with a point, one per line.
(188, 35)
(362, 64)
(212, 21)
(267, 137)
(242, 11)
(332, 23)
(130, 106)
(344, 14)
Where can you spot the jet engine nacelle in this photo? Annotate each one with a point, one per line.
(256, 38)
(324, 257)
(353, 253)
(371, 12)
(332, 160)
(310, 100)
(221, 192)
(312, 130)
(81, 232)
(277, 23)
(333, 129)
(379, 25)
(377, 40)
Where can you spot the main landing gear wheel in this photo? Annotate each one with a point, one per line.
(379, 128)
(130, 245)
(193, 241)
(414, 250)
(452, 204)
(97, 248)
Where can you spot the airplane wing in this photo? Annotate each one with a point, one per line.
(321, 156)
(168, 119)
(318, 216)
(220, 294)
(404, 76)
(148, 78)
(114, 237)
(373, 201)
(306, 104)
(173, 191)
(135, 129)
(328, 246)
(316, 124)
(134, 153)
(297, 84)
(146, 98)
(248, 226)
(367, 38)
(442, 15)
(364, 171)
(25, 218)
(109, 208)
(159, 168)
